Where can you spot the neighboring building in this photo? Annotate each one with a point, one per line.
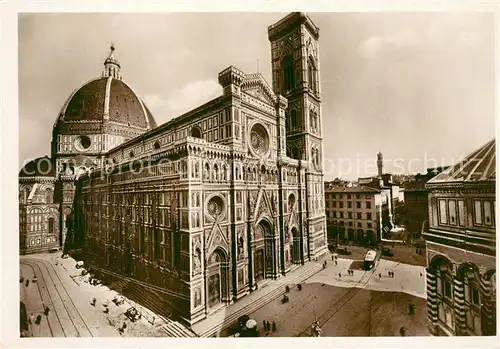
(461, 247)
(402, 179)
(337, 182)
(211, 203)
(416, 203)
(355, 214)
(393, 193)
(38, 213)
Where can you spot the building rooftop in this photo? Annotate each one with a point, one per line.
(478, 166)
(359, 189)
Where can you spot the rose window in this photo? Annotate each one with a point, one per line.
(215, 206)
(259, 139)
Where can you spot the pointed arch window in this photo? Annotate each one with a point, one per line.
(312, 73)
(48, 196)
(288, 72)
(313, 120)
(294, 120)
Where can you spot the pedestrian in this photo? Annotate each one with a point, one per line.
(333, 258)
(299, 287)
(27, 283)
(352, 272)
(335, 262)
(402, 331)
(93, 302)
(38, 319)
(264, 324)
(392, 274)
(268, 326)
(46, 311)
(340, 275)
(274, 326)
(31, 319)
(411, 309)
(379, 276)
(420, 274)
(389, 273)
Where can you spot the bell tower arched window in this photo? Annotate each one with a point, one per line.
(313, 117)
(311, 72)
(288, 72)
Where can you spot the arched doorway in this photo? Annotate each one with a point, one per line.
(296, 246)
(350, 234)
(217, 273)
(341, 234)
(264, 252)
(370, 237)
(359, 236)
(441, 269)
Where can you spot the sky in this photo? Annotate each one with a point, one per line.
(419, 87)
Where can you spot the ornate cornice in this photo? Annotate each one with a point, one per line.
(37, 179)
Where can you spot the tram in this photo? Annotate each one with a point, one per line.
(371, 259)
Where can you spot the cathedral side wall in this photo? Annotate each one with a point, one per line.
(135, 224)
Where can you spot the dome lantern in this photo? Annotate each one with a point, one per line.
(111, 65)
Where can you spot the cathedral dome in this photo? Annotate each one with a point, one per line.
(107, 98)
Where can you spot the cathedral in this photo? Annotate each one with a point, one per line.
(206, 206)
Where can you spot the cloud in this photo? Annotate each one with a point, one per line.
(190, 96)
(372, 47)
(375, 46)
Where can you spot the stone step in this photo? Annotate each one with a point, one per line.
(187, 332)
(174, 329)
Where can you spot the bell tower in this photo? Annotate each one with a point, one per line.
(296, 76)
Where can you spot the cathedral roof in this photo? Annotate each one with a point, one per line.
(477, 166)
(40, 167)
(107, 98)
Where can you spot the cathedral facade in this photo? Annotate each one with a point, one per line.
(211, 203)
